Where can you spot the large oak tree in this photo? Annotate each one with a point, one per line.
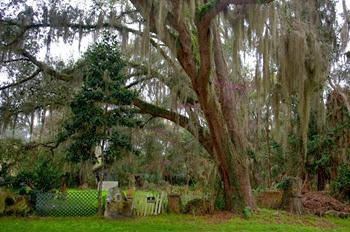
(194, 48)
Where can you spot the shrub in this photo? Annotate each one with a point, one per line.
(247, 212)
(342, 184)
(220, 203)
(44, 177)
(12, 157)
(198, 207)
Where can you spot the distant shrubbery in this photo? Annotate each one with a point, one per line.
(342, 184)
(27, 171)
(44, 177)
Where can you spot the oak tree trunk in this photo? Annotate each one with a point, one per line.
(237, 191)
(200, 53)
(233, 163)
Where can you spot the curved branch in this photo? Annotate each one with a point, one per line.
(169, 82)
(212, 8)
(203, 136)
(22, 81)
(32, 145)
(73, 26)
(145, 78)
(15, 60)
(225, 94)
(44, 67)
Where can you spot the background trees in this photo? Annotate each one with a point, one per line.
(247, 79)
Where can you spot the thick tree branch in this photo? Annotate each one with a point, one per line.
(185, 52)
(184, 46)
(76, 26)
(212, 8)
(33, 145)
(44, 67)
(226, 95)
(169, 82)
(156, 111)
(203, 22)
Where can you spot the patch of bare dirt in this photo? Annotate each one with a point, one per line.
(320, 204)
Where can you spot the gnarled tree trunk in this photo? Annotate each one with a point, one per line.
(232, 161)
(197, 46)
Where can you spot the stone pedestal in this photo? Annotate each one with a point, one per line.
(174, 203)
(291, 199)
(269, 199)
(117, 206)
(198, 207)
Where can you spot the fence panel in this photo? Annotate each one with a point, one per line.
(75, 203)
(148, 203)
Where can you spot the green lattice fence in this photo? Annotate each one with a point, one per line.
(75, 203)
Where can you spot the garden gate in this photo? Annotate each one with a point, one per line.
(148, 203)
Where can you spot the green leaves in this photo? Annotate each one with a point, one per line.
(342, 184)
(104, 65)
(97, 110)
(44, 177)
(247, 212)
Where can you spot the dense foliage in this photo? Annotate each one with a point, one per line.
(342, 183)
(99, 111)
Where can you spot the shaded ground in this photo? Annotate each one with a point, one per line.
(321, 204)
(265, 220)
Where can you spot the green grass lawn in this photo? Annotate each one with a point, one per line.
(266, 220)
